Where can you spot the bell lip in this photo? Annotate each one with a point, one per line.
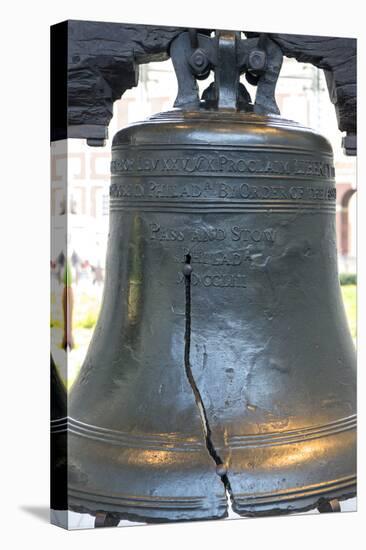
(299, 506)
(304, 503)
(179, 126)
(145, 515)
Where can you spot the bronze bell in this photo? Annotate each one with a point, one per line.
(221, 368)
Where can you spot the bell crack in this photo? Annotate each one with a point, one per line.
(221, 469)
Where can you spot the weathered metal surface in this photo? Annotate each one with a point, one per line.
(221, 365)
(94, 63)
(338, 58)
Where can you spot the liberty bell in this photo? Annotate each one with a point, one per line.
(221, 372)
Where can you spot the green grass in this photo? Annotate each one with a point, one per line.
(349, 293)
(88, 320)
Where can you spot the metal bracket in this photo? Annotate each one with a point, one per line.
(227, 72)
(94, 63)
(195, 55)
(329, 506)
(106, 519)
(190, 63)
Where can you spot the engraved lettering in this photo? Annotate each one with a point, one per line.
(205, 235)
(224, 163)
(256, 236)
(216, 280)
(244, 234)
(266, 192)
(235, 233)
(194, 279)
(155, 228)
(331, 193)
(223, 191)
(196, 191)
(165, 188)
(165, 233)
(252, 166)
(244, 191)
(152, 186)
(202, 257)
(241, 165)
(185, 192)
(269, 235)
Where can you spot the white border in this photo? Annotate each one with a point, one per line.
(25, 271)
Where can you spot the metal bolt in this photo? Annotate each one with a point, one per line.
(198, 60)
(187, 269)
(257, 60)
